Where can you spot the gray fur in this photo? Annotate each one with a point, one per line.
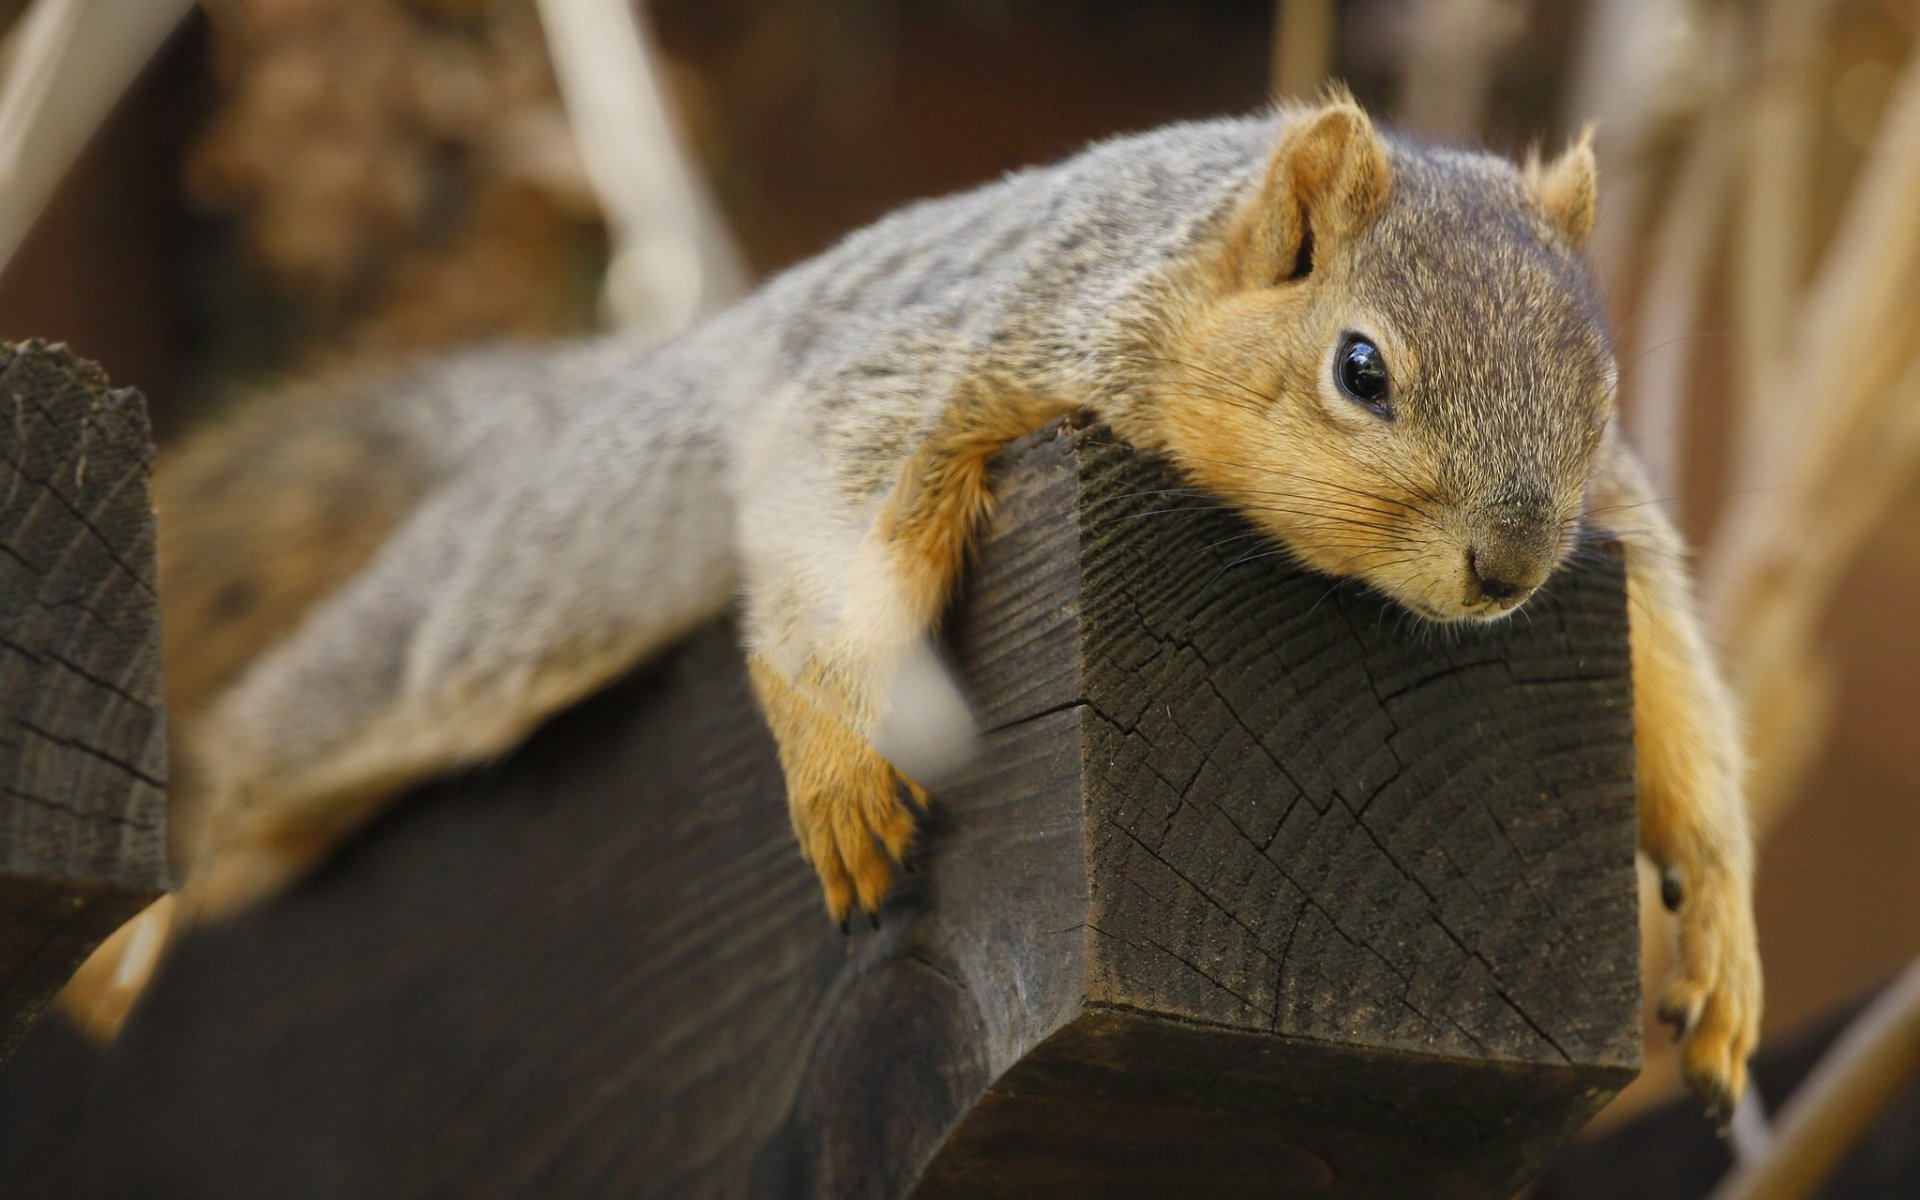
(590, 502)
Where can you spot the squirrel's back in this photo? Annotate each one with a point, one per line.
(271, 509)
(1045, 261)
(259, 517)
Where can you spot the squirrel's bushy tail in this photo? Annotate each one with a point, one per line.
(258, 519)
(96, 1000)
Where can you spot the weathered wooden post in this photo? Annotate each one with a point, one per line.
(82, 743)
(1257, 889)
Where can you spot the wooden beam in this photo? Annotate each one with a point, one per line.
(1257, 886)
(82, 743)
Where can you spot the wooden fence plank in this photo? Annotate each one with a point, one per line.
(82, 742)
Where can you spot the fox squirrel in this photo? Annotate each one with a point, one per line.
(1391, 357)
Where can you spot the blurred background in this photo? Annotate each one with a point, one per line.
(206, 198)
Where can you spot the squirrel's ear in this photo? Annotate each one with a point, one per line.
(1566, 188)
(1327, 178)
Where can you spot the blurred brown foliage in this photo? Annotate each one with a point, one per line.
(401, 166)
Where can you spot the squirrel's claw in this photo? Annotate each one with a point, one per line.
(852, 810)
(1713, 1057)
(857, 831)
(1680, 1014)
(1713, 1001)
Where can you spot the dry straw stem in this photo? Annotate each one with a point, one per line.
(1823, 399)
(1620, 84)
(672, 257)
(1836, 441)
(1773, 234)
(1682, 253)
(1302, 47)
(68, 62)
(1787, 687)
(1877, 1056)
(1452, 48)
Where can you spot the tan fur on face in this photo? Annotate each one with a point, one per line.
(1456, 268)
(1240, 419)
(1238, 402)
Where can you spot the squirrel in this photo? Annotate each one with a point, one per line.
(1401, 343)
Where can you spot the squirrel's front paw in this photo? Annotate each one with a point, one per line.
(1713, 1000)
(852, 810)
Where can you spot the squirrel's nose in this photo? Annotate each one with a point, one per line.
(1492, 581)
(1512, 547)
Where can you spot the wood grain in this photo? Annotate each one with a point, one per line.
(1256, 889)
(82, 742)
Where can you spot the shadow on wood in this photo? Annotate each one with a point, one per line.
(1257, 888)
(82, 742)
(1670, 1151)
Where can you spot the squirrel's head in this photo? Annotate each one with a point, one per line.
(1394, 361)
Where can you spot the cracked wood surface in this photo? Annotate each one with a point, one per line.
(82, 747)
(1256, 889)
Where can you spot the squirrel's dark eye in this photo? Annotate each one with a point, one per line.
(1361, 371)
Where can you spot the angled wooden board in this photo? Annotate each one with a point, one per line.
(1256, 887)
